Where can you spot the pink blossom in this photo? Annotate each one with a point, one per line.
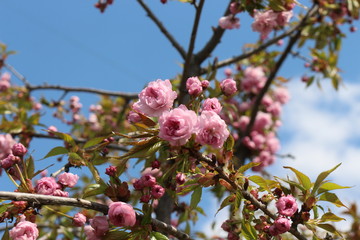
(243, 122)
(281, 95)
(283, 18)
(60, 193)
(254, 79)
(68, 179)
(138, 184)
(264, 23)
(205, 84)
(212, 104)
(90, 233)
(228, 72)
(234, 8)
(180, 178)
(177, 126)
(156, 98)
(8, 162)
(228, 86)
(46, 186)
(4, 85)
(194, 87)
(6, 143)
(145, 198)
(272, 143)
(122, 214)
(133, 117)
(19, 150)
(263, 121)
(267, 101)
(287, 205)
(229, 22)
(24, 230)
(157, 191)
(100, 225)
(5, 77)
(154, 172)
(148, 180)
(275, 109)
(265, 158)
(52, 129)
(282, 224)
(79, 220)
(211, 130)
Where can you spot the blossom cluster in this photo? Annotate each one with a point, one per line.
(287, 207)
(179, 124)
(49, 186)
(149, 188)
(5, 81)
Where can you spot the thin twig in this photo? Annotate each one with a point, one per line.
(190, 61)
(17, 74)
(81, 141)
(82, 203)
(298, 55)
(83, 89)
(172, 40)
(205, 52)
(248, 196)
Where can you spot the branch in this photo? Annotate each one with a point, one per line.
(40, 135)
(82, 203)
(241, 149)
(172, 40)
(191, 60)
(83, 89)
(244, 193)
(213, 41)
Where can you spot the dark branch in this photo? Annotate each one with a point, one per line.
(82, 89)
(172, 40)
(191, 65)
(213, 41)
(82, 203)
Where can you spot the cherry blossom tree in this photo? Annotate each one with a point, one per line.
(190, 132)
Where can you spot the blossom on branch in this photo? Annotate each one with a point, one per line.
(122, 214)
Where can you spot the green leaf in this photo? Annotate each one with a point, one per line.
(75, 159)
(302, 178)
(142, 151)
(329, 228)
(329, 216)
(56, 151)
(95, 173)
(229, 143)
(117, 235)
(4, 207)
(66, 137)
(248, 231)
(226, 202)
(260, 181)
(94, 141)
(321, 178)
(246, 167)
(6, 235)
(30, 167)
(94, 189)
(328, 186)
(331, 197)
(196, 197)
(158, 236)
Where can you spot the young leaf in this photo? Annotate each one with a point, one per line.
(321, 178)
(260, 181)
(6, 235)
(226, 202)
(30, 167)
(94, 189)
(302, 178)
(329, 228)
(66, 137)
(158, 236)
(245, 167)
(196, 197)
(329, 216)
(328, 186)
(56, 151)
(331, 197)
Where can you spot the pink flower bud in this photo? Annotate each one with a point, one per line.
(205, 84)
(138, 184)
(180, 178)
(79, 220)
(8, 162)
(282, 224)
(122, 214)
(212, 104)
(19, 150)
(133, 117)
(157, 191)
(145, 198)
(111, 171)
(228, 86)
(68, 179)
(4, 85)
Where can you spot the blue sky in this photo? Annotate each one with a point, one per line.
(70, 43)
